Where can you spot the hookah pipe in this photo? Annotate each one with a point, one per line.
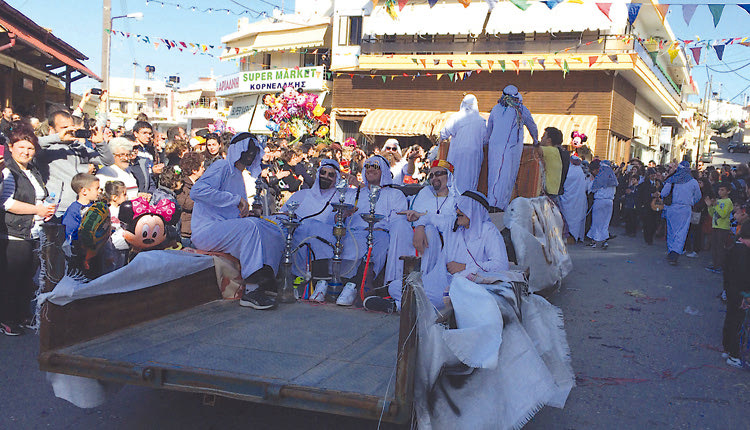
(371, 218)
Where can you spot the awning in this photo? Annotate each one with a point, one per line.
(287, 39)
(350, 111)
(567, 124)
(41, 46)
(449, 18)
(388, 122)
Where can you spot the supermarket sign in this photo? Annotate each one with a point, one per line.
(271, 81)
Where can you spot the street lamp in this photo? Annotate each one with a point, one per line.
(106, 43)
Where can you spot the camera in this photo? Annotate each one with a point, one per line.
(96, 91)
(82, 133)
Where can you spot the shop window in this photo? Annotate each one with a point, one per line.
(137, 89)
(124, 107)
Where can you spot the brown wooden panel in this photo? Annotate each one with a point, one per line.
(93, 317)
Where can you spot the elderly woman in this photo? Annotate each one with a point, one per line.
(21, 216)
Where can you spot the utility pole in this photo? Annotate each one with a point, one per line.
(704, 124)
(106, 39)
(132, 99)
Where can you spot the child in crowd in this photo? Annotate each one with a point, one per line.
(170, 183)
(115, 251)
(736, 275)
(86, 186)
(720, 211)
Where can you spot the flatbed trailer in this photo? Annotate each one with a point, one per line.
(182, 336)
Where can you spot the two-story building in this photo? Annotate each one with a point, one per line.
(578, 66)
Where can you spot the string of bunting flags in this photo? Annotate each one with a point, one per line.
(195, 48)
(393, 7)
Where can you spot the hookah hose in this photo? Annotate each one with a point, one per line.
(364, 275)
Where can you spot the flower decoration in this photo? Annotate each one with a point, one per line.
(294, 113)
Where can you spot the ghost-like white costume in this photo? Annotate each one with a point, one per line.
(504, 136)
(216, 223)
(573, 203)
(466, 129)
(316, 214)
(480, 247)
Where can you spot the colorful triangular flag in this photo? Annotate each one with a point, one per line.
(414, 60)
(479, 62)
(450, 63)
(719, 51)
(633, 9)
(436, 62)
(463, 63)
(593, 59)
(432, 3)
(541, 63)
(663, 9)
(424, 62)
(518, 66)
(489, 64)
(450, 76)
(687, 12)
(401, 4)
(716, 10)
(521, 4)
(566, 68)
(461, 75)
(502, 65)
(604, 8)
(696, 54)
(552, 3)
(745, 6)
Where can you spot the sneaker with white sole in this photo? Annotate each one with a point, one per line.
(692, 254)
(348, 294)
(9, 330)
(724, 355)
(257, 299)
(319, 295)
(734, 362)
(379, 304)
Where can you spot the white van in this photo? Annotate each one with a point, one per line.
(713, 146)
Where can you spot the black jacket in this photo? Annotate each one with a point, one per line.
(20, 225)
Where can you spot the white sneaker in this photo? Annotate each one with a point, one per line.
(691, 254)
(346, 298)
(734, 362)
(319, 295)
(724, 355)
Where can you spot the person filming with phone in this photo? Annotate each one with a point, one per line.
(64, 154)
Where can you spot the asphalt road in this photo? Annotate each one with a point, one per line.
(641, 361)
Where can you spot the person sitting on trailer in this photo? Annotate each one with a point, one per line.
(431, 215)
(390, 202)
(472, 247)
(222, 220)
(316, 215)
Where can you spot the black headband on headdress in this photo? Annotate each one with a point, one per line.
(478, 198)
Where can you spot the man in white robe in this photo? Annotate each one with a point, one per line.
(504, 136)
(573, 203)
(603, 187)
(222, 220)
(390, 202)
(685, 192)
(316, 216)
(466, 130)
(431, 214)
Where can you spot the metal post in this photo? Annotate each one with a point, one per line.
(704, 123)
(106, 41)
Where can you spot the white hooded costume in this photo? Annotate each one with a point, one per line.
(466, 129)
(390, 201)
(316, 214)
(505, 139)
(573, 203)
(399, 169)
(216, 223)
(603, 186)
(480, 247)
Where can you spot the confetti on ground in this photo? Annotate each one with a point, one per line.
(635, 293)
(608, 306)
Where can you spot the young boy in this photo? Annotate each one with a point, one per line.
(720, 211)
(736, 274)
(86, 186)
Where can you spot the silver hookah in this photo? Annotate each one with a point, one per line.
(339, 231)
(287, 293)
(258, 199)
(371, 218)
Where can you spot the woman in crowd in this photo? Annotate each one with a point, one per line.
(192, 169)
(214, 149)
(23, 211)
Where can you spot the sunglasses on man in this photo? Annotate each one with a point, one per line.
(436, 174)
(391, 148)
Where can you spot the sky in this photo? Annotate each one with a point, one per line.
(731, 77)
(79, 22)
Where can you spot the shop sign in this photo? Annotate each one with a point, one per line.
(269, 81)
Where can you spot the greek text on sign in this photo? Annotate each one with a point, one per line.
(264, 81)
